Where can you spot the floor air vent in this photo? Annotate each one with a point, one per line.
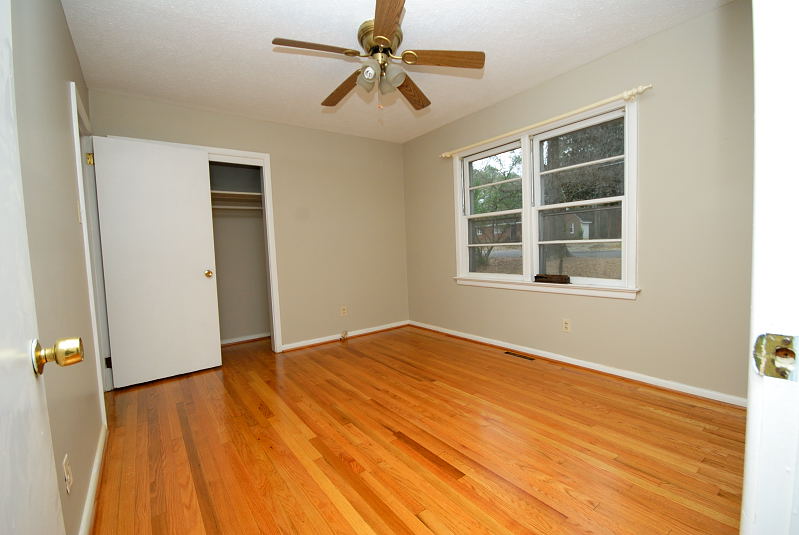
(512, 354)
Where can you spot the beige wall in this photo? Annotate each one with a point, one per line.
(44, 62)
(339, 216)
(241, 276)
(690, 320)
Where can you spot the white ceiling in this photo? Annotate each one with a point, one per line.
(218, 54)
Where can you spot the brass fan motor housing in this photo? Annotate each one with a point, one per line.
(366, 36)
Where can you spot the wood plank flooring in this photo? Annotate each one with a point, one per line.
(410, 431)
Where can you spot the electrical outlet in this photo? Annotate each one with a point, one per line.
(67, 473)
(344, 335)
(566, 326)
(342, 311)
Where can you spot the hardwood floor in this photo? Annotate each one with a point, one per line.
(410, 431)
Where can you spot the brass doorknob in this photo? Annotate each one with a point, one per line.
(65, 352)
(209, 273)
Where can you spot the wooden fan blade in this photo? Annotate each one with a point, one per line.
(313, 46)
(468, 59)
(387, 16)
(342, 90)
(414, 95)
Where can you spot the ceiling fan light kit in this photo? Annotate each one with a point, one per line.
(369, 73)
(380, 38)
(392, 78)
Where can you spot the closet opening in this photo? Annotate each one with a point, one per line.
(242, 274)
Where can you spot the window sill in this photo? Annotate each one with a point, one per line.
(572, 289)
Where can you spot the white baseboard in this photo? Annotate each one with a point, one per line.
(648, 379)
(664, 383)
(334, 337)
(87, 518)
(244, 338)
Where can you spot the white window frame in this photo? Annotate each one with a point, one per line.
(464, 208)
(528, 141)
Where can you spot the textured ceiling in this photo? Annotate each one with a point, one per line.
(218, 54)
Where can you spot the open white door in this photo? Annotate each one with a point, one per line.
(29, 501)
(771, 463)
(154, 202)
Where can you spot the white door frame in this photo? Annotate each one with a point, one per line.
(257, 159)
(82, 127)
(261, 160)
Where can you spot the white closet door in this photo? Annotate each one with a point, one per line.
(154, 203)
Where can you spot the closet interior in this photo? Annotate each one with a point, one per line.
(240, 250)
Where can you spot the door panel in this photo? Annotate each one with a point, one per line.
(29, 501)
(154, 203)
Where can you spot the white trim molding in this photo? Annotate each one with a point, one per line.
(640, 377)
(271, 252)
(573, 289)
(648, 379)
(81, 126)
(334, 337)
(87, 518)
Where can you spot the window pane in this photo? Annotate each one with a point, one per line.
(507, 196)
(587, 144)
(584, 183)
(502, 166)
(503, 229)
(502, 259)
(598, 260)
(590, 222)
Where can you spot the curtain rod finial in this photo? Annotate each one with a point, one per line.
(630, 94)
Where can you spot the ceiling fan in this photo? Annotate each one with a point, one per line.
(380, 39)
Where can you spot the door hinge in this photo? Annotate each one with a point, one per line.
(108, 362)
(90, 158)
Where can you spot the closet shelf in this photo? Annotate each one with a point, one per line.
(235, 200)
(234, 207)
(235, 195)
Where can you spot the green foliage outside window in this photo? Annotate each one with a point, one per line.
(496, 198)
(592, 181)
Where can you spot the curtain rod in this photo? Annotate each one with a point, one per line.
(628, 95)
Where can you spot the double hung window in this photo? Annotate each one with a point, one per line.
(559, 200)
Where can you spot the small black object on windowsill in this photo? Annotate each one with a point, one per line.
(555, 279)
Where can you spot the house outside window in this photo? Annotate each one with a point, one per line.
(557, 200)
